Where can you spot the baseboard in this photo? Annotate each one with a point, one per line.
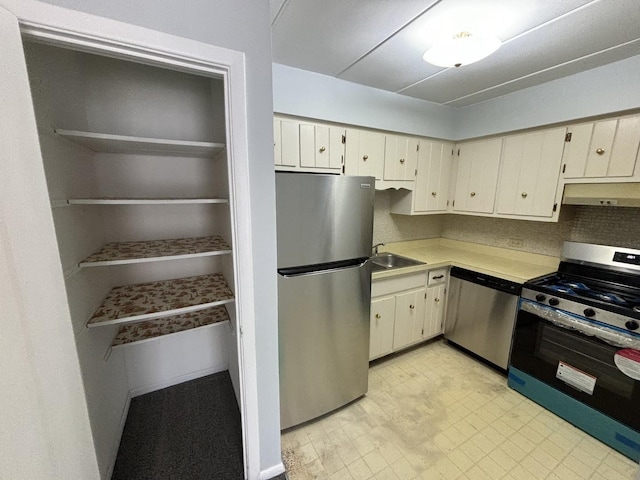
(179, 379)
(116, 446)
(271, 472)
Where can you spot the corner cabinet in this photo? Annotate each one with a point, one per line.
(606, 149)
(529, 173)
(477, 175)
(406, 310)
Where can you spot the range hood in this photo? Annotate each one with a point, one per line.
(602, 194)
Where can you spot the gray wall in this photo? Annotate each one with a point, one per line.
(241, 25)
(307, 94)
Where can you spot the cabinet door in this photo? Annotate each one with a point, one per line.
(277, 142)
(624, 153)
(603, 149)
(400, 157)
(409, 318)
(530, 173)
(364, 153)
(335, 155)
(434, 175)
(307, 145)
(434, 318)
(290, 140)
(477, 175)
(382, 320)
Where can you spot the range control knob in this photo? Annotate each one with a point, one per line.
(631, 324)
(589, 312)
(553, 301)
(540, 297)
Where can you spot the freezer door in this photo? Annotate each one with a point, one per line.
(323, 218)
(323, 341)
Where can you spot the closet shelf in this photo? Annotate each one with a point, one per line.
(143, 201)
(147, 301)
(109, 143)
(156, 250)
(153, 329)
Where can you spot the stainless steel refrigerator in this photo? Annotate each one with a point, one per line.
(325, 229)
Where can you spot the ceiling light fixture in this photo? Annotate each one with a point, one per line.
(462, 49)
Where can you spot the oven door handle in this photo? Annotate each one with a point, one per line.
(573, 322)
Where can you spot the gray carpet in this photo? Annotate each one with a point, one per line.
(189, 431)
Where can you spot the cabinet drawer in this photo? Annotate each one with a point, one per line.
(437, 277)
(392, 285)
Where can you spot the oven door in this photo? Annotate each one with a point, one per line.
(580, 358)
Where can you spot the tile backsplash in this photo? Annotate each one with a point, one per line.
(398, 228)
(604, 225)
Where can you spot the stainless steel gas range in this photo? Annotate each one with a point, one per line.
(576, 344)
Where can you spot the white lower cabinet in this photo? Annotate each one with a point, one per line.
(406, 310)
(382, 320)
(409, 318)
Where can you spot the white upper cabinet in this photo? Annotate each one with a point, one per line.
(477, 175)
(307, 147)
(604, 149)
(400, 157)
(529, 173)
(434, 176)
(364, 153)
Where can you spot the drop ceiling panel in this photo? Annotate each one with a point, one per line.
(398, 63)
(327, 36)
(593, 61)
(539, 50)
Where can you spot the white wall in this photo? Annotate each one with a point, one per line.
(307, 94)
(241, 25)
(602, 90)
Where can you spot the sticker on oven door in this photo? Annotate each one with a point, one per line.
(576, 378)
(628, 362)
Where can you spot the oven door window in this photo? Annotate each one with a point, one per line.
(539, 348)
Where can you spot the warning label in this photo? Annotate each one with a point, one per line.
(628, 362)
(576, 378)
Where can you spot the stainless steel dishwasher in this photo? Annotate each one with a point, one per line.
(481, 313)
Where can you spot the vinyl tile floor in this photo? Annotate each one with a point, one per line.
(436, 413)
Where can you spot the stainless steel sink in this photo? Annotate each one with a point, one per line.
(388, 261)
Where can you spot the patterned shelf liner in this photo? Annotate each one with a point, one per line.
(117, 252)
(150, 329)
(146, 301)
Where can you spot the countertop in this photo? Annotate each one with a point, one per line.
(508, 264)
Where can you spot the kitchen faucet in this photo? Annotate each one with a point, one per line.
(375, 248)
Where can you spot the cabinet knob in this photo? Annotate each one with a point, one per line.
(411, 307)
(377, 315)
(365, 157)
(473, 194)
(433, 194)
(436, 300)
(600, 151)
(402, 160)
(322, 149)
(523, 194)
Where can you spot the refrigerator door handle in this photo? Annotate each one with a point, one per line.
(321, 269)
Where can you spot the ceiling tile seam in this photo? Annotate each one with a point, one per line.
(543, 24)
(387, 39)
(548, 69)
(279, 13)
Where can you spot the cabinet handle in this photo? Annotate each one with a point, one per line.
(402, 160)
(365, 157)
(411, 307)
(600, 151)
(436, 300)
(473, 194)
(377, 315)
(322, 149)
(523, 194)
(433, 194)
(437, 277)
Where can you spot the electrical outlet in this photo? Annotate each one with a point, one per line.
(515, 242)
